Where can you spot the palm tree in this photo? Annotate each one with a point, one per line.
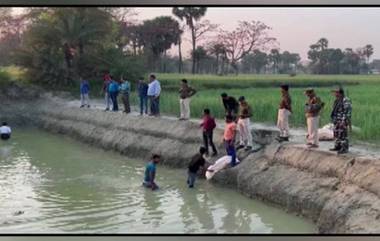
(190, 14)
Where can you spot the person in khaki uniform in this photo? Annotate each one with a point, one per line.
(313, 107)
(243, 124)
(284, 111)
(185, 94)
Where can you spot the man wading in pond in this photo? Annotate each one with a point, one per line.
(197, 161)
(154, 91)
(341, 118)
(284, 111)
(231, 106)
(5, 131)
(313, 107)
(185, 94)
(150, 173)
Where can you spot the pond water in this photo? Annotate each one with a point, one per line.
(53, 184)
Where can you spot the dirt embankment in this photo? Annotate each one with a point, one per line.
(341, 194)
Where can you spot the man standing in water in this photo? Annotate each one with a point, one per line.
(285, 110)
(125, 89)
(150, 173)
(142, 89)
(84, 93)
(313, 107)
(185, 94)
(231, 106)
(5, 131)
(341, 118)
(154, 91)
(244, 123)
(229, 138)
(197, 161)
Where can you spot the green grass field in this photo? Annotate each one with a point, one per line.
(263, 94)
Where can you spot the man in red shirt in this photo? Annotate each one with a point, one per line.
(107, 97)
(208, 124)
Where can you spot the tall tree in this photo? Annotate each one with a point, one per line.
(274, 58)
(247, 37)
(190, 15)
(199, 54)
(158, 35)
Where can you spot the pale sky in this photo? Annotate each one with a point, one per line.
(297, 28)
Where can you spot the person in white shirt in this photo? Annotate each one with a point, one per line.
(5, 131)
(154, 91)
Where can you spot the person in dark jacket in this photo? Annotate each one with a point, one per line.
(341, 118)
(197, 162)
(208, 125)
(142, 91)
(231, 106)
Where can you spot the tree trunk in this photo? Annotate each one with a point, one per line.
(217, 64)
(194, 44)
(180, 64)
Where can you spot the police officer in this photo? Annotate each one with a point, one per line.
(341, 118)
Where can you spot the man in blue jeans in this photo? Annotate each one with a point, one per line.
(113, 90)
(197, 161)
(142, 89)
(154, 92)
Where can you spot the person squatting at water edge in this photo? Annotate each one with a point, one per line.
(313, 108)
(231, 106)
(185, 94)
(150, 172)
(341, 118)
(5, 131)
(284, 112)
(197, 161)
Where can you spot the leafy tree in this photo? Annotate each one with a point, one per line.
(199, 54)
(62, 43)
(274, 58)
(190, 15)
(158, 35)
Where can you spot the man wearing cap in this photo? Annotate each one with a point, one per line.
(341, 118)
(231, 106)
(285, 110)
(313, 107)
(243, 123)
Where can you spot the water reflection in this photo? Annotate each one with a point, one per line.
(65, 186)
